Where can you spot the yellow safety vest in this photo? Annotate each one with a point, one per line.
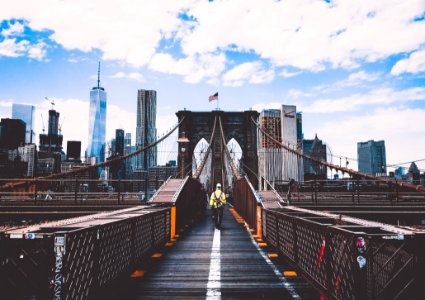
(218, 199)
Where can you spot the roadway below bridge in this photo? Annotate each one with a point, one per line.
(207, 263)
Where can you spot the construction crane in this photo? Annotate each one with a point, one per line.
(52, 102)
(60, 125)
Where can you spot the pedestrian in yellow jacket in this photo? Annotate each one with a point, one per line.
(217, 203)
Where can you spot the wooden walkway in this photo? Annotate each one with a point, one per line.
(206, 263)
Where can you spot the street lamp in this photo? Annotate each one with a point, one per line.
(183, 146)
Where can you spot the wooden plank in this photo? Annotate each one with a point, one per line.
(183, 271)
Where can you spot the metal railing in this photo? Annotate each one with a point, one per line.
(80, 191)
(342, 257)
(73, 258)
(246, 200)
(348, 191)
(345, 260)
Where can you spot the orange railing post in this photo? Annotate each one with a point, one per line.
(173, 222)
(259, 222)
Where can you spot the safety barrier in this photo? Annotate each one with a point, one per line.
(342, 257)
(186, 196)
(191, 203)
(74, 260)
(346, 260)
(245, 201)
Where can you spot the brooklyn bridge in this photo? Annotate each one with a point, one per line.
(361, 237)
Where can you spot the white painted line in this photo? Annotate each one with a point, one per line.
(288, 286)
(214, 277)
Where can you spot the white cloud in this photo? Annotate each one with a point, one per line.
(415, 63)
(304, 34)
(12, 48)
(135, 76)
(381, 96)
(248, 72)
(38, 51)
(14, 29)
(398, 126)
(286, 74)
(295, 94)
(308, 34)
(194, 68)
(271, 105)
(361, 76)
(6, 103)
(128, 30)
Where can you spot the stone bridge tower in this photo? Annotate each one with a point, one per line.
(237, 125)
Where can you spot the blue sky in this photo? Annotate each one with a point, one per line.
(355, 69)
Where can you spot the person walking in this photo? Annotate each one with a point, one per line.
(217, 203)
(291, 187)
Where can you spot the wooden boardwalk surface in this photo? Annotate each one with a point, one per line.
(206, 263)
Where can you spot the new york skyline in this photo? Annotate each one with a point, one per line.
(355, 69)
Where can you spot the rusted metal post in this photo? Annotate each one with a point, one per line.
(76, 191)
(119, 190)
(298, 192)
(312, 192)
(35, 192)
(396, 193)
(358, 191)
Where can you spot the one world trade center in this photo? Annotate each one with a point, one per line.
(97, 123)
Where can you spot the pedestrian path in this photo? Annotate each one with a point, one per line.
(207, 263)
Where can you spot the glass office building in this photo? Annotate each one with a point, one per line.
(372, 158)
(25, 113)
(97, 123)
(146, 128)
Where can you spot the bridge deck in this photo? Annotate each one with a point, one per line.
(206, 263)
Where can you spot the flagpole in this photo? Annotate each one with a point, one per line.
(217, 102)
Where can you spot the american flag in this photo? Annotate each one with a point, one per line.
(213, 97)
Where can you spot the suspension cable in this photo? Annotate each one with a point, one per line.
(336, 167)
(226, 151)
(92, 167)
(204, 159)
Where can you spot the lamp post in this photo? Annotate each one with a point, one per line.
(183, 142)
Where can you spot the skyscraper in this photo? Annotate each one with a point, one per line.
(146, 128)
(371, 157)
(28, 153)
(97, 122)
(130, 164)
(73, 151)
(127, 139)
(291, 125)
(315, 149)
(26, 114)
(275, 163)
(119, 142)
(52, 141)
(12, 133)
